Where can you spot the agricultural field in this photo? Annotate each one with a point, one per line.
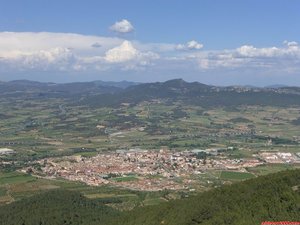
(38, 128)
(43, 129)
(15, 186)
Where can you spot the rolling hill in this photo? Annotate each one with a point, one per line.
(198, 94)
(99, 93)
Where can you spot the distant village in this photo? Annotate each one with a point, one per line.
(150, 170)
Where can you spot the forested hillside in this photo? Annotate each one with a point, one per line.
(56, 207)
(267, 198)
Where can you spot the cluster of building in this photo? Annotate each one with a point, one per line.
(152, 170)
(280, 157)
(6, 151)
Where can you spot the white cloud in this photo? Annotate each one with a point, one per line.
(122, 53)
(250, 51)
(12, 43)
(191, 45)
(65, 52)
(129, 57)
(59, 59)
(248, 56)
(194, 45)
(291, 43)
(123, 26)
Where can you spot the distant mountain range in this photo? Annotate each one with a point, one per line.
(120, 84)
(197, 94)
(100, 93)
(33, 88)
(277, 86)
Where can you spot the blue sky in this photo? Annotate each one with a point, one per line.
(216, 42)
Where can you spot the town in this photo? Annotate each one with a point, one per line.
(150, 170)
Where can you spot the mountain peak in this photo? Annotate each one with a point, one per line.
(175, 83)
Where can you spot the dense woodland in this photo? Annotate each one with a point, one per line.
(56, 207)
(268, 198)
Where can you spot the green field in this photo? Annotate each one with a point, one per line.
(14, 178)
(2, 191)
(124, 179)
(271, 168)
(16, 186)
(228, 175)
(39, 128)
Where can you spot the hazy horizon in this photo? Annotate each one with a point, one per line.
(136, 82)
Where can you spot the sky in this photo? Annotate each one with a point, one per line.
(249, 42)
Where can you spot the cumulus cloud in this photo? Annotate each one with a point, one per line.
(251, 51)
(129, 57)
(66, 52)
(62, 52)
(123, 26)
(291, 43)
(122, 53)
(249, 56)
(28, 42)
(48, 59)
(191, 45)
